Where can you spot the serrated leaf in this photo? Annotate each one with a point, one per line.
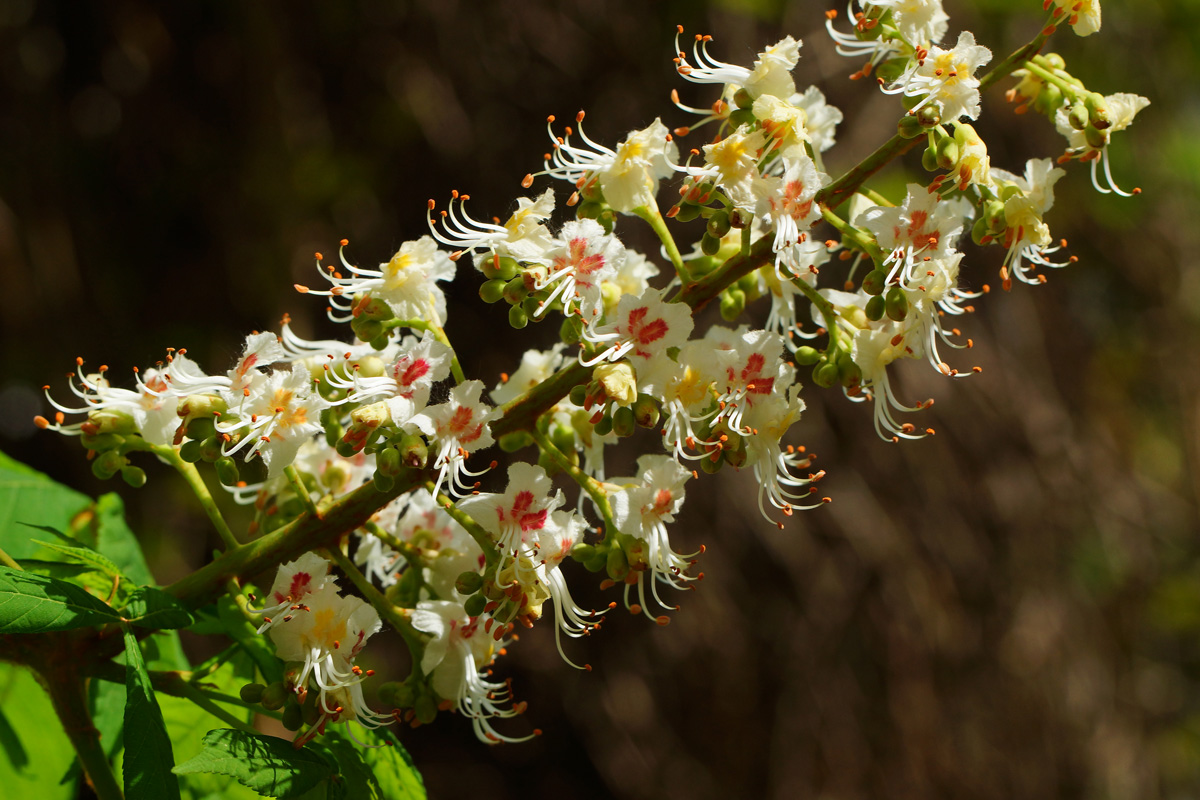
(35, 604)
(376, 773)
(84, 555)
(27, 495)
(266, 764)
(148, 756)
(153, 608)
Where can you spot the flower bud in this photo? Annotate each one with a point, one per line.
(619, 382)
(571, 330)
(469, 583)
(387, 461)
(806, 355)
(895, 304)
(475, 604)
(515, 290)
(366, 329)
(512, 442)
(874, 282)
(687, 212)
(825, 375)
(616, 564)
(1096, 138)
(589, 210)
(718, 224)
(874, 308)
(1097, 111)
(413, 450)
(733, 303)
(491, 291)
(930, 115)
(227, 471)
(293, 717)
(947, 153)
(251, 692)
(369, 307)
(517, 317)
(383, 483)
(709, 245)
(1077, 117)
(101, 441)
(190, 451)
(623, 422)
(210, 449)
(909, 127)
(743, 116)
(743, 99)
(645, 411)
(929, 159)
(604, 426)
(563, 438)
(426, 709)
(274, 696)
(578, 394)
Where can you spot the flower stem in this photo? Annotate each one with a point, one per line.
(481, 537)
(1017, 58)
(300, 489)
(654, 219)
(858, 237)
(69, 696)
(585, 481)
(394, 616)
(195, 482)
(8, 560)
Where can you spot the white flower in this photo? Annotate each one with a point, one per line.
(405, 383)
(1084, 16)
(821, 119)
(456, 655)
(151, 408)
(583, 256)
(407, 282)
(458, 427)
(945, 78)
(294, 582)
(644, 329)
(536, 366)
(771, 73)
(787, 204)
(1121, 108)
(278, 415)
(628, 176)
(523, 237)
(1027, 237)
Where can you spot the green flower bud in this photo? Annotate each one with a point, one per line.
(1077, 117)
(597, 562)
(474, 605)
(578, 394)
(515, 290)
(895, 304)
(293, 717)
(909, 127)
(947, 153)
(1048, 101)
(1096, 138)
(387, 461)
(589, 210)
(210, 449)
(101, 441)
(251, 692)
(1054, 61)
(874, 282)
(718, 224)
(709, 245)
(807, 355)
(645, 411)
(563, 438)
(426, 709)
(201, 427)
(469, 583)
(517, 317)
(623, 422)
(733, 303)
(743, 116)
(930, 115)
(366, 329)
(571, 330)
(979, 230)
(687, 212)
(274, 696)
(874, 309)
(383, 483)
(106, 465)
(743, 99)
(604, 426)
(617, 564)
(491, 291)
(1097, 111)
(512, 442)
(227, 471)
(190, 451)
(929, 159)
(825, 375)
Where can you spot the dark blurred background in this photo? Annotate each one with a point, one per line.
(1008, 609)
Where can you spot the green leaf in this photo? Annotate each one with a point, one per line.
(153, 608)
(10, 741)
(84, 555)
(392, 767)
(148, 756)
(34, 604)
(115, 540)
(266, 764)
(48, 750)
(27, 495)
(241, 631)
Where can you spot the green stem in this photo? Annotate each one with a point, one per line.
(69, 696)
(404, 548)
(862, 241)
(1018, 57)
(521, 413)
(482, 538)
(195, 482)
(586, 482)
(386, 609)
(439, 333)
(827, 311)
(844, 187)
(654, 219)
(290, 541)
(301, 490)
(1069, 89)
(8, 560)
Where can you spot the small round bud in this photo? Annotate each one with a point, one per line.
(227, 471)
(825, 375)
(589, 210)
(929, 159)
(895, 304)
(909, 127)
(107, 464)
(383, 483)
(469, 583)
(366, 329)
(687, 212)
(645, 411)
(1096, 138)
(571, 330)
(190, 451)
(517, 317)
(515, 290)
(578, 394)
(426, 708)
(274, 696)
(201, 428)
(492, 291)
(718, 224)
(709, 245)
(733, 303)
(512, 442)
(623, 422)
(807, 355)
(874, 282)
(874, 308)
(474, 605)
(210, 449)
(617, 564)
(743, 116)
(293, 717)
(743, 99)
(251, 692)
(387, 461)
(1077, 117)
(604, 426)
